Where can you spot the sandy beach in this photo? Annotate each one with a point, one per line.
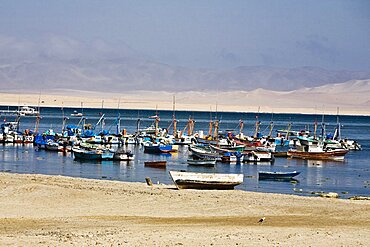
(40, 210)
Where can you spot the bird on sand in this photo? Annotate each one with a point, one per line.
(262, 220)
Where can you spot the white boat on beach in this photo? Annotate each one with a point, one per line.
(192, 180)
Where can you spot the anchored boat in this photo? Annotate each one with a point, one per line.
(156, 163)
(277, 175)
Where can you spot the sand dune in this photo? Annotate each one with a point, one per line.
(351, 97)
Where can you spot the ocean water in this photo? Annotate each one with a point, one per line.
(348, 178)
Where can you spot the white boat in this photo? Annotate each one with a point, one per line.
(76, 114)
(27, 111)
(192, 180)
(202, 162)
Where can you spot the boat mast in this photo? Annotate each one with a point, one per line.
(37, 123)
(271, 128)
(257, 129)
(241, 126)
(288, 131)
(156, 121)
(323, 132)
(337, 134)
(118, 118)
(215, 135)
(64, 119)
(174, 118)
(138, 122)
(101, 120)
(191, 127)
(210, 123)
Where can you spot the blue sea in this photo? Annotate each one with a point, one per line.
(348, 178)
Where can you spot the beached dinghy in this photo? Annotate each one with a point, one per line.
(192, 180)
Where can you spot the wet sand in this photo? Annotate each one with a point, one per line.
(40, 210)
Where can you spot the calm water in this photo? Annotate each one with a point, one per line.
(348, 178)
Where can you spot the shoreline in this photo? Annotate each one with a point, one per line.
(46, 210)
(264, 101)
(173, 186)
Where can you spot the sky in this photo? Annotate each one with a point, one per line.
(332, 34)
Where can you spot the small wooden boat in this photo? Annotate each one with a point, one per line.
(156, 163)
(202, 162)
(192, 180)
(277, 175)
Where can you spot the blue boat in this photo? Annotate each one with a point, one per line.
(277, 175)
(92, 154)
(156, 148)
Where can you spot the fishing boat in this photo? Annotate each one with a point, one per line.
(156, 163)
(204, 152)
(218, 149)
(28, 111)
(319, 155)
(56, 146)
(277, 175)
(258, 156)
(201, 162)
(314, 150)
(76, 114)
(192, 180)
(84, 154)
(156, 148)
(123, 155)
(232, 157)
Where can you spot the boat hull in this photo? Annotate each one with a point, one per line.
(156, 164)
(326, 155)
(206, 181)
(277, 175)
(204, 162)
(92, 155)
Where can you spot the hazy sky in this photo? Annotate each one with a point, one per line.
(332, 34)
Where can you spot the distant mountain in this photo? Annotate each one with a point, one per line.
(62, 63)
